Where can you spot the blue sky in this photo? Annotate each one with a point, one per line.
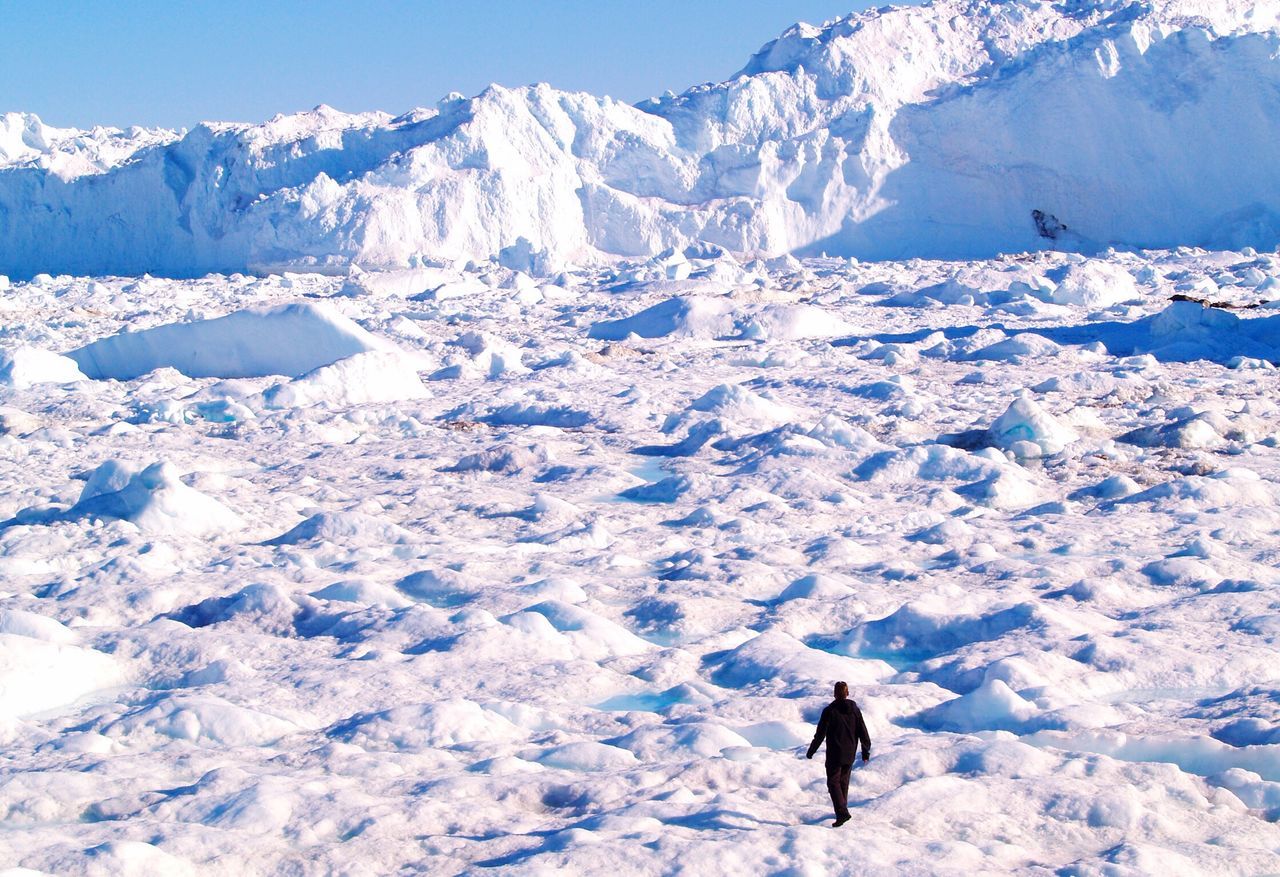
(176, 63)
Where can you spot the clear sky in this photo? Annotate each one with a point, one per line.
(175, 63)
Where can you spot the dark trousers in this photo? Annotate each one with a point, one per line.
(838, 786)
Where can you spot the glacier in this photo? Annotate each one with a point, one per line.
(959, 129)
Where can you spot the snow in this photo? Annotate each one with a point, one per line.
(932, 131)
(39, 673)
(287, 340)
(27, 366)
(1023, 422)
(376, 376)
(708, 317)
(1094, 284)
(446, 568)
(154, 499)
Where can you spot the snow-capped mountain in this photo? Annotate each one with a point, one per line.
(962, 128)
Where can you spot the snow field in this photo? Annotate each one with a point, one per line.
(457, 583)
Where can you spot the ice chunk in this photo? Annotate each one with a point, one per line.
(288, 340)
(491, 356)
(991, 706)
(27, 366)
(733, 404)
(155, 499)
(683, 317)
(377, 376)
(1026, 421)
(1094, 284)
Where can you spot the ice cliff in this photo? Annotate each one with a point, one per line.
(961, 128)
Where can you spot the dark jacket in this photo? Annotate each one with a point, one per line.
(842, 725)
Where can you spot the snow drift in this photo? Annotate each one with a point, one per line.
(961, 128)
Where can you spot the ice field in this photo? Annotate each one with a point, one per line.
(500, 487)
(456, 571)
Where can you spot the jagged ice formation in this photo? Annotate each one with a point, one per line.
(961, 128)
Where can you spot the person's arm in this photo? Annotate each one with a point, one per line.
(863, 737)
(818, 737)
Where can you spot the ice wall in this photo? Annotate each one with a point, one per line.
(958, 129)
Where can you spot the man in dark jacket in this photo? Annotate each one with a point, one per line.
(842, 726)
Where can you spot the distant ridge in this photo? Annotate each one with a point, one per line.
(959, 129)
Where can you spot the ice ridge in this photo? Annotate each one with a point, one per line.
(956, 129)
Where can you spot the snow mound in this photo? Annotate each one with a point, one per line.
(1025, 422)
(1020, 346)
(344, 528)
(15, 622)
(1193, 430)
(377, 376)
(587, 756)
(451, 722)
(930, 462)
(993, 706)
(586, 633)
(203, 719)
(736, 404)
(154, 499)
(128, 858)
(1186, 331)
(815, 587)
(28, 366)
(503, 458)
(680, 742)
(364, 593)
(782, 322)
(776, 658)
(1093, 284)
(286, 340)
(39, 673)
(920, 629)
(258, 607)
(682, 317)
(434, 588)
(708, 317)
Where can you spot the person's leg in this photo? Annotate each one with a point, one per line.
(845, 771)
(833, 787)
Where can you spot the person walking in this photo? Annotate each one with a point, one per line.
(842, 726)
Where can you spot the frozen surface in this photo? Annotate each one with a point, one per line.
(455, 571)
(960, 129)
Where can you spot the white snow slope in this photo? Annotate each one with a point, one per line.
(930, 131)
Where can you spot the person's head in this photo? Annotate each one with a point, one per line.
(842, 690)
